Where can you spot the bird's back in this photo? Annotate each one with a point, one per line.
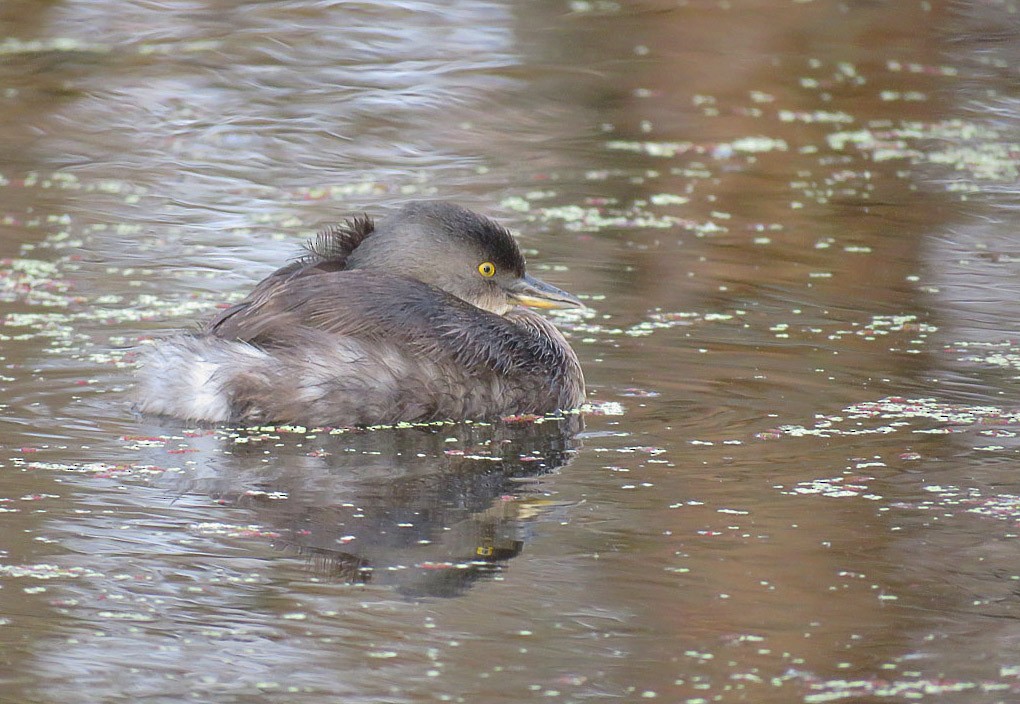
(336, 348)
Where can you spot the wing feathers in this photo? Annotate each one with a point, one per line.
(374, 306)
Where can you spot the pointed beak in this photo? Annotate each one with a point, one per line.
(535, 293)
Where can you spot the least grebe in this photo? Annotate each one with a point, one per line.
(424, 315)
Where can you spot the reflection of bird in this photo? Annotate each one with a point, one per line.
(415, 318)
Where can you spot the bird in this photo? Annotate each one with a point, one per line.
(426, 314)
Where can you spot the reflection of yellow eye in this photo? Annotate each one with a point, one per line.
(486, 269)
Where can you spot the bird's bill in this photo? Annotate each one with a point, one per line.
(535, 293)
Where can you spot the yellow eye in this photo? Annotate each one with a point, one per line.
(486, 269)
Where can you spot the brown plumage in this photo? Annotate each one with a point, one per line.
(378, 324)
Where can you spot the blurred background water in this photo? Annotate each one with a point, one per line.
(794, 224)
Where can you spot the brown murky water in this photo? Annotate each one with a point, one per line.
(795, 224)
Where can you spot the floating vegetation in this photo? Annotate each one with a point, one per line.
(345, 192)
(45, 572)
(876, 328)
(12, 46)
(745, 145)
(590, 218)
(226, 530)
(658, 321)
(971, 148)
(65, 181)
(815, 116)
(1000, 506)
(820, 691)
(836, 488)
(35, 282)
(882, 325)
(855, 419)
(1005, 354)
(923, 69)
(97, 469)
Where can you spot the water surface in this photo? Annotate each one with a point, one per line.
(794, 224)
